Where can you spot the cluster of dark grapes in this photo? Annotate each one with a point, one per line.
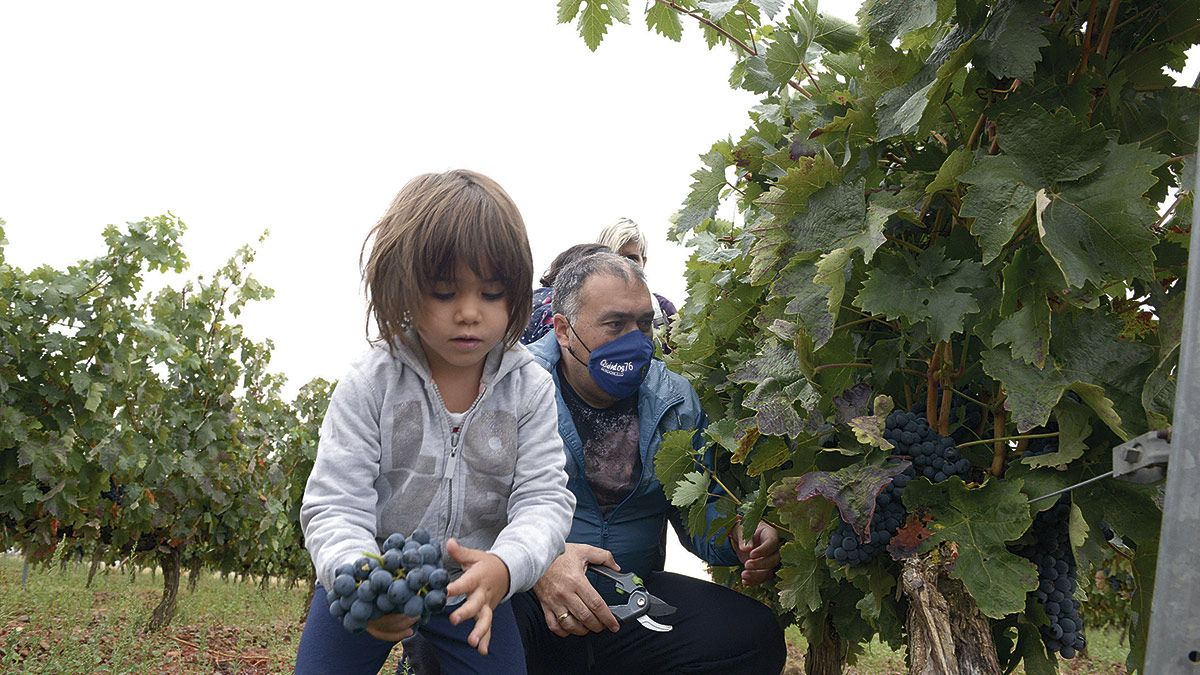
(407, 579)
(1051, 552)
(1043, 446)
(115, 493)
(932, 455)
(964, 417)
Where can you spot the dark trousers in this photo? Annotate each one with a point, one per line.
(326, 648)
(716, 630)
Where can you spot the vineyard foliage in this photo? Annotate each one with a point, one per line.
(147, 425)
(975, 209)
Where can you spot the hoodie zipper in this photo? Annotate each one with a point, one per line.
(455, 437)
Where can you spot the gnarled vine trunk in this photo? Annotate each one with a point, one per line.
(94, 566)
(828, 656)
(169, 559)
(194, 575)
(947, 635)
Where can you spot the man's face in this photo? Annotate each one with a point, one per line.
(609, 307)
(633, 251)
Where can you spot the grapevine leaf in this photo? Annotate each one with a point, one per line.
(568, 9)
(1158, 396)
(1051, 147)
(595, 18)
(1073, 431)
(800, 578)
(947, 176)
(931, 288)
(1032, 392)
(691, 488)
(909, 538)
(775, 361)
(836, 216)
(1077, 528)
(887, 20)
(753, 508)
(769, 8)
(902, 109)
(745, 443)
(981, 521)
(664, 21)
(852, 489)
(1032, 650)
(1028, 333)
(851, 403)
(723, 432)
(774, 404)
(769, 453)
(869, 429)
(675, 458)
(1097, 229)
(784, 57)
(789, 195)
(808, 300)
(997, 200)
(835, 34)
(717, 9)
(1011, 44)
(701, 203)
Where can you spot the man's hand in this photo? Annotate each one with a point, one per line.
(571, 605)
(759, 555)
(391, 628)
(485, 583)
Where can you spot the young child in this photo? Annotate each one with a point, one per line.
(446, 424)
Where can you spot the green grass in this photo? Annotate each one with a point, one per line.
(56, 625)
(1106, 655)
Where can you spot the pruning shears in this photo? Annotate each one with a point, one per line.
(641, 605)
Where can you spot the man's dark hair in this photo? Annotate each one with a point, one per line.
(571, 278)
(569, 256)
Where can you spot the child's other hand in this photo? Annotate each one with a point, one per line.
(391, 627)
(485, 583)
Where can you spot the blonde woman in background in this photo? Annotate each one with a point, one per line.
(626, 238)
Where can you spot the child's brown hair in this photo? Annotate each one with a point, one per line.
(435, 221)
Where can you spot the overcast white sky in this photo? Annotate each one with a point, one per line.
(306, 120)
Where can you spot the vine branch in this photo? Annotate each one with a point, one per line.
(708, 22)
(1008, 438)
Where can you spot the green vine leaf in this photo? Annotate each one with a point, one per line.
(930, 289)
(1011, 44)
(691, 488)
(664, 21)
(868, 429)
(675, 459)
(981, 521)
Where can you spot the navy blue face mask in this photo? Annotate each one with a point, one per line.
(618, 367)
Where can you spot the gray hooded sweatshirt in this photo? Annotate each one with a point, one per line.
(388, 462)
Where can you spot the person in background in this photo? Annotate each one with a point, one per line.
(615, 403)
(626, 239)
(541, 320)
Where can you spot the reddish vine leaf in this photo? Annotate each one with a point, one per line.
(852, 489)
(908, 539)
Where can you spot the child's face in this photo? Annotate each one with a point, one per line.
(461, 320)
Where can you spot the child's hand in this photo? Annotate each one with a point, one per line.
(391, 627)
(485, 583)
